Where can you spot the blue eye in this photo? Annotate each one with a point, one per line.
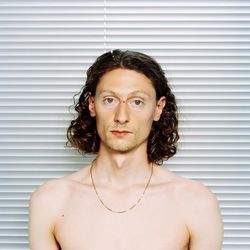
(108, 100)
(136, 103)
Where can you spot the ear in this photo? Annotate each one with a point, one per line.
(159, 108)
(92, 106)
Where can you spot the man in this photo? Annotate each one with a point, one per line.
(124, 200)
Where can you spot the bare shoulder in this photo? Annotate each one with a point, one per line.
(191, 196)
(59, 191)
(194, 195)
(185, 189)
(199, 198)
(201, 212)
(49, 187)
(52, 192)
(195, 191)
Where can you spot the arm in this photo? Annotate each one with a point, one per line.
(42, 213)
(204, 219)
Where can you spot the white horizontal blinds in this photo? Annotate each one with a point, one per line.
(46, 47)
(204, 48)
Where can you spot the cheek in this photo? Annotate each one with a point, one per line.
(103, 121)
(144, 123)
(146, 116)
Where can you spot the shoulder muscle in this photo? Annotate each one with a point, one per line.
(44, 205)
(203, 216)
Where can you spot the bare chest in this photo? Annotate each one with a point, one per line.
(152, 225)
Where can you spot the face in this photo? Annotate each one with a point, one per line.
(125, 107)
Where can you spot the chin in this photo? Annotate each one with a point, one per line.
(121, 147)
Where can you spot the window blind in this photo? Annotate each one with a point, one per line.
(46, 48)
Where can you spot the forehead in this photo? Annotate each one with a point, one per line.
(125, 81)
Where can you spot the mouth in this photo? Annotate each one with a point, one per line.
(120, 133)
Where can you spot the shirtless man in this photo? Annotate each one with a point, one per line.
(124, 200)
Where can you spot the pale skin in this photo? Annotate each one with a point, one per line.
(174, 214)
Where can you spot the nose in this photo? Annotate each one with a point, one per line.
(121, 115)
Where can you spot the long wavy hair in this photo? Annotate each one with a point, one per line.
(162, 141)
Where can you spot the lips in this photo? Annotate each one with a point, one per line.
(120, 133)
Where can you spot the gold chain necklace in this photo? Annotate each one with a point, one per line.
(123, 211)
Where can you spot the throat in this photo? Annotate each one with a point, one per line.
(120, 174)
(121, 191)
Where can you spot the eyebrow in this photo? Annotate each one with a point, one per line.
(132, 93)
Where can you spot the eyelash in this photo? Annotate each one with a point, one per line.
(106, 101)
(141, 102)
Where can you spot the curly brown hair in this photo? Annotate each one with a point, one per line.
(162, 142)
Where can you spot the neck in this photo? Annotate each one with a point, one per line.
(120, 171)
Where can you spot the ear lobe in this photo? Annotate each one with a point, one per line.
(92, 106)
(159, 108)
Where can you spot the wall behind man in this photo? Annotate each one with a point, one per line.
(46, 47)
